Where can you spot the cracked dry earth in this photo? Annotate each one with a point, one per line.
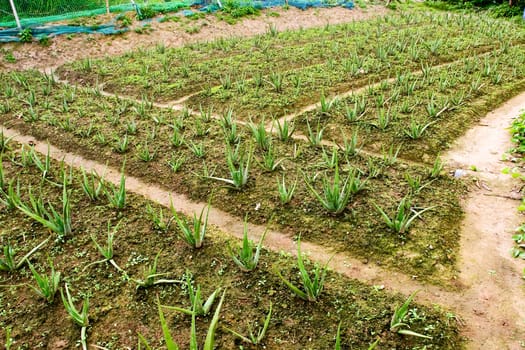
(489, 300)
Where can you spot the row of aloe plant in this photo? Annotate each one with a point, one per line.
(246, 259)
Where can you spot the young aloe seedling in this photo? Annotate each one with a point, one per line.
(117, 196)
(415, 129)
(4, 142)
(168, 338)
(403, 217)
(80, 317)
(312, 286)
(336, 193)
(285, 130)
(239, 174)
(107, 251)
(397, 323)
(9, 264)
(11, 198)
(43, 166)
(193, 236)
(198, 307)
(92, 185)
(338, 337)
(59, 223)
(315, 137)
(8, 340)
(269, 162)
(151, 276)
(254, 339)
(247, 260)
(437, 168)
(157, 218)
(209, 342)
(47, 286)
(285, 193)
(2, 175)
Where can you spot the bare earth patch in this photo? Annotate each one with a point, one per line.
(492, 305)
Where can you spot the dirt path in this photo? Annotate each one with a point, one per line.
(172, 34)
(493, 303)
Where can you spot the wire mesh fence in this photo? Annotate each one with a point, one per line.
(40, 11)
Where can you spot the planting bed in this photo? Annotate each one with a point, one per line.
(278, 73)
(119, 309)
(102, 128)
(370, 106)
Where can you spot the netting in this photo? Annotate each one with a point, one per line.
(33, 14)
(37, 12)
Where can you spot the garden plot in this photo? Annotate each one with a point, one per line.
(246, 170)
(421, 113)
(44, 201)
(279, 73)
(345, 182)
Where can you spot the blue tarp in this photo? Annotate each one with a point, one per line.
(38, 32)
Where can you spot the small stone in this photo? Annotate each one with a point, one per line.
(459, 173)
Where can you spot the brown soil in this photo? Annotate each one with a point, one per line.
(171, 34)
(491, 302)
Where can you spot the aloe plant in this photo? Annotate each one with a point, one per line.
(79, 316)
(315, 137)
(117, 195)
(107, 250)
(121, 144)
(11, 197)
(397, 323)
(269, 161)
(8, 263)
(46, 286)
(254, 338)
(415, 130)
(43, 166)
(285, 130)
(151, 277)
(437, 168)
(194, 236)
(312, 285)
(168, 338)
(248, 256)
(285, 192)
(337, 192)
(209, 342)
(59, 223)
(403, 217)
(260, 135)
(199, 307)
(92, 185)
(239, 173)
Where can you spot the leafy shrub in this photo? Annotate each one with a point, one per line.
(26, 35)
(147, 12)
